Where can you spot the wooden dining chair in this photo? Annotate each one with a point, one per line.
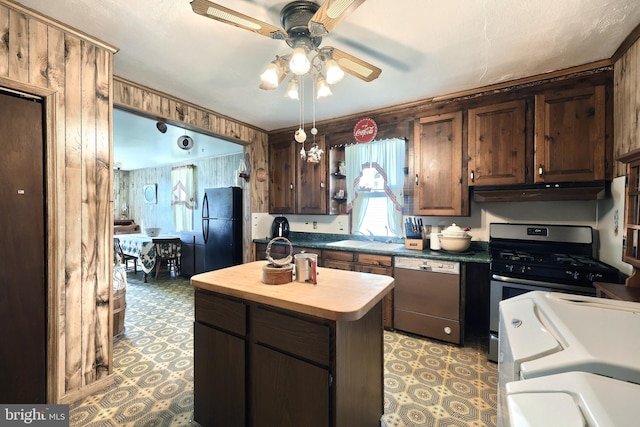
(168, 251)
(125, 258)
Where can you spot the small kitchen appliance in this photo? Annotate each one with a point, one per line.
(547, 333)
(529, 257)
(280, 227)
(306, 268)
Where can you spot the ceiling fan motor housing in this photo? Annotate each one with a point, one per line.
(295, 17)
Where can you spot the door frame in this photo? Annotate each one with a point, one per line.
(54, 210)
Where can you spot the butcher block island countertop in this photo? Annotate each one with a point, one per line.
(295, 354)
(339, 295)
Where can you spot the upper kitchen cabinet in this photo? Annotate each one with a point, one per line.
(497, 144)
(438, 162)
(296, 186)
(570, 135)
(282, 177)
(311, 191)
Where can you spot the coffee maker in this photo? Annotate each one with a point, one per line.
(280, 227)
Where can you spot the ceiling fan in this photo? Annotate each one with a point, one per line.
(304, 23)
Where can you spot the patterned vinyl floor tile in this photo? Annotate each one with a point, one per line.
(427, 383)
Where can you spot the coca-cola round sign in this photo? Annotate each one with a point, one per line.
(365, 130)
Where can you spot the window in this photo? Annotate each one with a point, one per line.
(375, 182)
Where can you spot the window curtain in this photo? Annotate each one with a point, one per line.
(387, 157)
(183, 197)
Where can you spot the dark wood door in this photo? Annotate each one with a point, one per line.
(570, 135)
(440, 189)
(497, 144)
(312, 184)
(23, 288)
(219, 366)
(282, 178)
(280, 398)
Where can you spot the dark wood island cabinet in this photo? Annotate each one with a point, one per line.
(288, 355)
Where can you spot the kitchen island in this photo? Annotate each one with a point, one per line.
(295, 354)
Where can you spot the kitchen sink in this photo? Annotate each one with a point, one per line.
(365, 244)
(350, 243)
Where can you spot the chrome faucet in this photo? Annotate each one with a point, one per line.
(370, 237)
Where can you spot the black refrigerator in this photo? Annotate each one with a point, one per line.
(219, 243)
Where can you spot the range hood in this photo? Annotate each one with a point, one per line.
(541, 192)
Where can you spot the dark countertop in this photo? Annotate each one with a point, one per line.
(478, 251)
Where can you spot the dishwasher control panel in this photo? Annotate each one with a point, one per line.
(434, 265)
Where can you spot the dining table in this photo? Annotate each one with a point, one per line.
(143, 247)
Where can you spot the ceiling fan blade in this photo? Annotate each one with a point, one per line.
(330, 14)
(355, 66)
(237, 19)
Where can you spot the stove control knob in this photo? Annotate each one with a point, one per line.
(523, 269)
(509, 268)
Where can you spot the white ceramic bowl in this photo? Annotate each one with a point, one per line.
(454, 231)
(152, 232)
(455, 243)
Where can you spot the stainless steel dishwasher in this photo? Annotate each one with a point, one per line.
(427, 298)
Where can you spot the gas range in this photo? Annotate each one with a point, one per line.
(547, 253)
(549, 258)
(576, 269)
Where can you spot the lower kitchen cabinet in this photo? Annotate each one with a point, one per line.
(261, 366)
(364, 263)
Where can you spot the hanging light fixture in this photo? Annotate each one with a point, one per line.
(299, 63)
(274, 74)
(293, 91)
(322, 87)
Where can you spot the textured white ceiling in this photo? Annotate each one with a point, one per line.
(424, 47)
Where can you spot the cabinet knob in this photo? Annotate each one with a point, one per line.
(447, 330)
(540, 170)
(472, 176)
(321, 184)
(416, 179)
(291, 186)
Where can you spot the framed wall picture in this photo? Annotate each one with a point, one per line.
(151, 193)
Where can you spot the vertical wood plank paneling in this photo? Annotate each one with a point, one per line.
(37, 57)
(56, 81)
(73, 219)
(18, 46)
(43, 53)
(626, 104)
(4, 41)
(104, 180)
(89, 230)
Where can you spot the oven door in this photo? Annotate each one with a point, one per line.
(503, 287)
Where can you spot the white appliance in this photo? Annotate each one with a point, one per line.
(546, 333)
(572, 399)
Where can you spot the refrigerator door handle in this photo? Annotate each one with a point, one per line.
(205, 206)
(205, 229)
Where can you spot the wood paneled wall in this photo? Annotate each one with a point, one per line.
(74, 71)
(210, 173)
(626, 104)
(152, 103)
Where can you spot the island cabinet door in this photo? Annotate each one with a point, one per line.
(219, 370)
(286, 391)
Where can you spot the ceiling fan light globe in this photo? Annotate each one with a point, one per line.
(293, 91)
(299, 63)
(271, 77)
(334, 72)
(322, 88)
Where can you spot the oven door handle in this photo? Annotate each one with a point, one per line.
(548, 286)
